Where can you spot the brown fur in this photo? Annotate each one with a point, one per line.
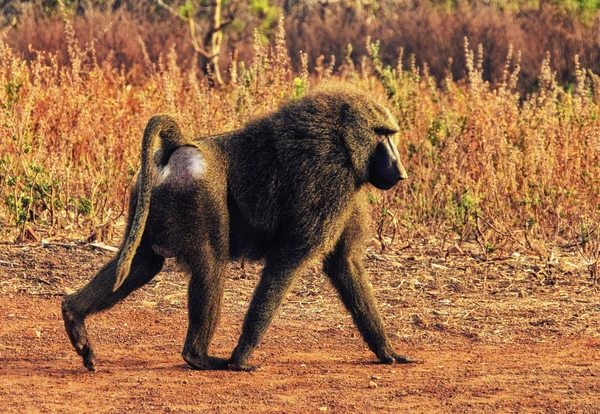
(288, 188)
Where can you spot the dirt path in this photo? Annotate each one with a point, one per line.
(491, 351)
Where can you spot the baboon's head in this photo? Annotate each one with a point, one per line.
(354, 123)
(371, 132)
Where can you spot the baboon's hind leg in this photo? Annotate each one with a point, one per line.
(97, 296)
(205, 295)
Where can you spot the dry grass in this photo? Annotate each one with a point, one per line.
(487, 164)
(71, 133)
(491, 165)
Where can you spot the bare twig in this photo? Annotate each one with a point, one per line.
(175, 13)
(65, 245)
(103, 246)
(215, 35)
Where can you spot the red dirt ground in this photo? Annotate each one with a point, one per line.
(518, 334)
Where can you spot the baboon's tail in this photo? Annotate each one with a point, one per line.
(166, 127)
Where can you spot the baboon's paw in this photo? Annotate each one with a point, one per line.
(89, 359)
(395, 358)
(403, 359)
(206, 363)
(75, 328)
(77, 333)
(244, 367)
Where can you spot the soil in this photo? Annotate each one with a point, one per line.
(509, 334)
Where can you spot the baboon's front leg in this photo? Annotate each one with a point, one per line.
(268, 296)
(350, 279)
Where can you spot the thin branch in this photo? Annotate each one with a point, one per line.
(177, 14)
(223, 25)
(193, 27)
(195, 44)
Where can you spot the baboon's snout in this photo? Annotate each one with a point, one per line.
(385, 168)
(402, 175)
(396, 173)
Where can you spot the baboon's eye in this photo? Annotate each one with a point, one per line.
(383, 131)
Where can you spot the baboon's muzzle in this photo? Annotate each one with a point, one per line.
(385, 168)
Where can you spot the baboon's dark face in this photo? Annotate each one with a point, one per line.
(385, 168)
(371, 135)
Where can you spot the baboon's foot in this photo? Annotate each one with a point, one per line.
(239, 360)
(392, 357)
(205, 362)
(244, 367)
(75, 327)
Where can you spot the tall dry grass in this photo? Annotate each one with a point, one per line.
(71, 133)
(485, 162)
(492, 165)
(432, 31)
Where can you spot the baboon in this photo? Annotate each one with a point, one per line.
(289, 188)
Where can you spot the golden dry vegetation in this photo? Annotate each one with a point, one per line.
(511, 172)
